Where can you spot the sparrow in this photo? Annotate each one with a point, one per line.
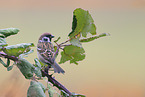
(46, 53)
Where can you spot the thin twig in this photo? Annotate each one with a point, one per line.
(66, 45)
(65, 41)
(61, 44)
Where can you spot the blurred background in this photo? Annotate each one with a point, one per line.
(114, 66)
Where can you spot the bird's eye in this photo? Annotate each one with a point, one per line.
(45, 39)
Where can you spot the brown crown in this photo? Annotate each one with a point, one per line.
(45, 35)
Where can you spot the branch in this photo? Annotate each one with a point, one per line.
(50, 78)
(66, 44)
(65, 41)
(56, 83)
(4, 55)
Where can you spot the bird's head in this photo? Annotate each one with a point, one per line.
(46, 37)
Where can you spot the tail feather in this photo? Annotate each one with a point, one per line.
(57, 68)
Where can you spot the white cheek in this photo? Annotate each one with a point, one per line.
(48, 40)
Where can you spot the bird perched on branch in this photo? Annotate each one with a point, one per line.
(46, 53)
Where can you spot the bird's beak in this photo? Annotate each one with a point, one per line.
(52, 36)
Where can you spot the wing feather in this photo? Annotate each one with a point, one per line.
(46, 50)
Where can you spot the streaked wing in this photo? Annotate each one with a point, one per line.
(46, 50)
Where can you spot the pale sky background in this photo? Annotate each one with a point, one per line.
(67, 4)
(114, 66)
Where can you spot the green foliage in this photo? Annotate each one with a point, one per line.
(4, 33)
(76, 42)
(3, 63)
(37, 63)
(6, 65)
(35, 90)
(83, 23)
(37, 69)
(2, 43)
(72, 53)
(16, 50)
(51, 90)
(25, 67)
(8, 62)
(10, 68)
(42, 86)
(64, 94)
(8, 31)
(2, 40)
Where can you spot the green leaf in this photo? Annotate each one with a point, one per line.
(2, 43)
(16, 50)
(83, 23)
(64, 57)
(94, 37)
(37, 63)
(2, 62)
(64, 94)
(3, 40)
(8, 31)
(73, 54)
(37, 69)
(42, 86)
(25, 67)
(10, 68)
(35, 90)
(5, 65)
(8, 62)
(29, 51)
(51, 90)
(76, 42)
